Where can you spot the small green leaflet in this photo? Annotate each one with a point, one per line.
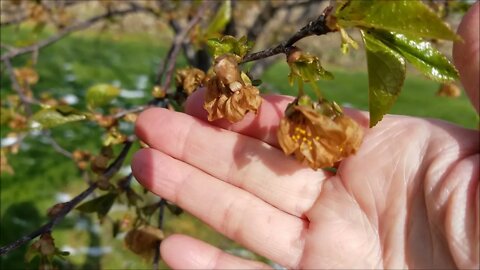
(386, 74)
(52, 117)
(100, 205)
(221, 19)
(229, 45)
(420, 54)
(101, 94)
(409, 17)
(308, 68)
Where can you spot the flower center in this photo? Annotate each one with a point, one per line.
(303, 136)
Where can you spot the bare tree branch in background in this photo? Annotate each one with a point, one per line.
(72, 28)
(168, 67)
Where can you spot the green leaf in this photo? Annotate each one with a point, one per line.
(56, 116)
(386, 74)
(308, 68)
(420, 54)
(100, 205)
(101, 94)
(229, 45)
(221, 19)
(409, 17)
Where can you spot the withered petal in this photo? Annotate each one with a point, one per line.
(317, 139)
(220, 102)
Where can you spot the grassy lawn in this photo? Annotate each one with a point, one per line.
(43, 177)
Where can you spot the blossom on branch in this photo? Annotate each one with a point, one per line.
(318, 134)
(229, 93)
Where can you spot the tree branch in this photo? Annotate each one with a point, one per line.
(72, 28)
(168, 66)
(70, 205)
(315, 27)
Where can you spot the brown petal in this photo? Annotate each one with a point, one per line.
(220, 102)
(317, 139)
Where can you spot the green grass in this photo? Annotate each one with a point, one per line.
(41, 173)
(417, 98)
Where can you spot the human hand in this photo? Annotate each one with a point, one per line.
(408, 198)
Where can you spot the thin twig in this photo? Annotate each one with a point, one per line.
(132, 110)
(72, 28)
(168, 66)
(315, 27)
(57, 147)
(187, 47)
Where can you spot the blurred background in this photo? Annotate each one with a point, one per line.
(124, 44)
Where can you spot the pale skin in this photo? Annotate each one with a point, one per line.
(409, 198)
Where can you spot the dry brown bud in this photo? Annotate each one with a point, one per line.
(26, 76)
(144, 240)
(103, 184)
(317, 136)
(55, 210)
(449, 90)
(18, 121)
(158, 92)
(226, 69)
(130, 117)
(294, 55)
(45, 245)
(189, 79)
(99, 164)
(105, 121)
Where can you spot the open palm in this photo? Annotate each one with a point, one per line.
(408, 198)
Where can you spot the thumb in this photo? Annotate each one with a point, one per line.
(466, 54)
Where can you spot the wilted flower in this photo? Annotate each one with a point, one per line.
(228, 94)
(318, 133)
(143, 240)
(26, 76)
(189, 79)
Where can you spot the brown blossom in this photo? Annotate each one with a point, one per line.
(189, 79)
(228, 95)
(144, 240)
(449, 90)
(318, 133)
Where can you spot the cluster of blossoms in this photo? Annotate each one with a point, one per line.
(317, 133)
